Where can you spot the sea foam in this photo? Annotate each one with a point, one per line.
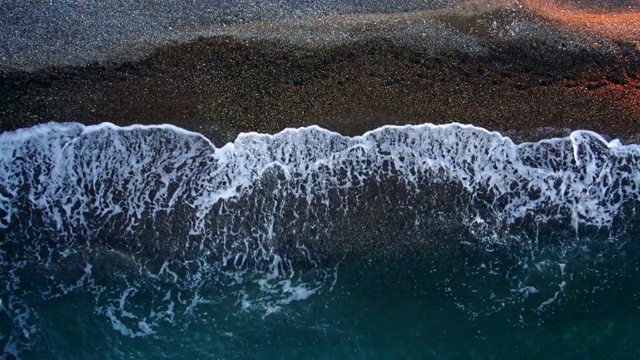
(104, 181)
(273, 215)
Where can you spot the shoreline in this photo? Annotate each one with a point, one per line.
(440, 67)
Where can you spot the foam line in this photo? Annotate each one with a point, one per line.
(69, 155)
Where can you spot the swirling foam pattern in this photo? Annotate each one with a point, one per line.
(161, 211)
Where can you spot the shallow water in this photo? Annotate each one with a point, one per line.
(407, 242)
(403, 312)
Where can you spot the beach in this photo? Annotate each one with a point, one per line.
(320, 179)
(502, 66)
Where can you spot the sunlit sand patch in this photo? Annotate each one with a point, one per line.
(625, 96)
(621, 24)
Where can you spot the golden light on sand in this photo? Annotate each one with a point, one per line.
(619, 24)
(623, 24)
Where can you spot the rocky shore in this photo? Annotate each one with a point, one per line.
(503, 67)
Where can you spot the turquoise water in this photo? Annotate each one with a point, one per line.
(415, 242)
(397, 311)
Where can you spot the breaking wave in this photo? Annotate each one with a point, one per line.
(156, 212)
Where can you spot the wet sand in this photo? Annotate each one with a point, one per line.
(506, 67)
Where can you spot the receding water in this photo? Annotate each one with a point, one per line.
(416, 242)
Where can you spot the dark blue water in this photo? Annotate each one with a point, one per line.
(373, 312)
(416, 242)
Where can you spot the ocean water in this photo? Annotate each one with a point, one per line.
(413, 242)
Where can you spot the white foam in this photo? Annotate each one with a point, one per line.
(79, 177)
(239, 213)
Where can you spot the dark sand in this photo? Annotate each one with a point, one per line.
(502, 67)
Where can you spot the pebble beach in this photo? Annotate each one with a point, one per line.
(520, 68)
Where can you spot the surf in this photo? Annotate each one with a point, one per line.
(159, 212)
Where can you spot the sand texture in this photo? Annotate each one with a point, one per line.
(513, 67)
